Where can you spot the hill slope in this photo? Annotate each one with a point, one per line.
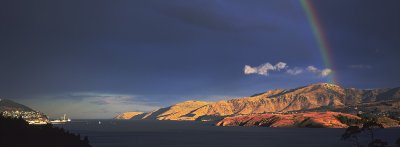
(8, 105)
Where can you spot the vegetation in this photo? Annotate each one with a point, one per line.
(16, 132)
(210, 118)
(349, 121)
(355, 133)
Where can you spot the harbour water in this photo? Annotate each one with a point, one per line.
(146, 133)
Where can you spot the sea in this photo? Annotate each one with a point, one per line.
(153, 133)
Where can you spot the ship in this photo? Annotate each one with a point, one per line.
(37, 122)
(61, 121)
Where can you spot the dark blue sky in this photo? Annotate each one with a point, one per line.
(113, 56)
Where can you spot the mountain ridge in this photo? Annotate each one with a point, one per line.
(308, 97)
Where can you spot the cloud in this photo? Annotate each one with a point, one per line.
(360, 66)
(322, 73)
(100, 102)
(101, 98)
(249, 70)
(325, 72)
(294, 71)
(312, 69)
(264, 68)
(280, 65)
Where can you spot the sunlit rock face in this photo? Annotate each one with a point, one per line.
(130, 115)
(309, 119)
(179, 111)
(322, 95)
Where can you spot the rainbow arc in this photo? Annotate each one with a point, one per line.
(318, 31)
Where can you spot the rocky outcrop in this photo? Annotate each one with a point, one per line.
(309, 119)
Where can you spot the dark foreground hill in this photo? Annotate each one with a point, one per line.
(16, 132)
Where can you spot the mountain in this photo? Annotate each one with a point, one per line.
(8, 105)
(130, 115)
(311, 97)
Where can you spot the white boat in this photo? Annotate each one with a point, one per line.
(37, 122)
(61, 121)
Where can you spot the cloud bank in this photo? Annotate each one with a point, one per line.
(266, 68)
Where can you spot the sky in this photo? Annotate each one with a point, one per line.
(97, 58)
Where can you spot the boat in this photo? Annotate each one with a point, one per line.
(61, 121)
(37, 122)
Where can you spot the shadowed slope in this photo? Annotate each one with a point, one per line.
(310, 119)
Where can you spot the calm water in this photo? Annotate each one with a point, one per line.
(144, 133)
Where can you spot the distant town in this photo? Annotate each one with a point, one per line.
(32, 117)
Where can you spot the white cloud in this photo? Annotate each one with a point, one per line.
(294, 71)
(280, 65)
(325, 72)
(312, 69)
(264, 68)
(249, 70)
(322, 73)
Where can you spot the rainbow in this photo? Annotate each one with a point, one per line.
(319, 34)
